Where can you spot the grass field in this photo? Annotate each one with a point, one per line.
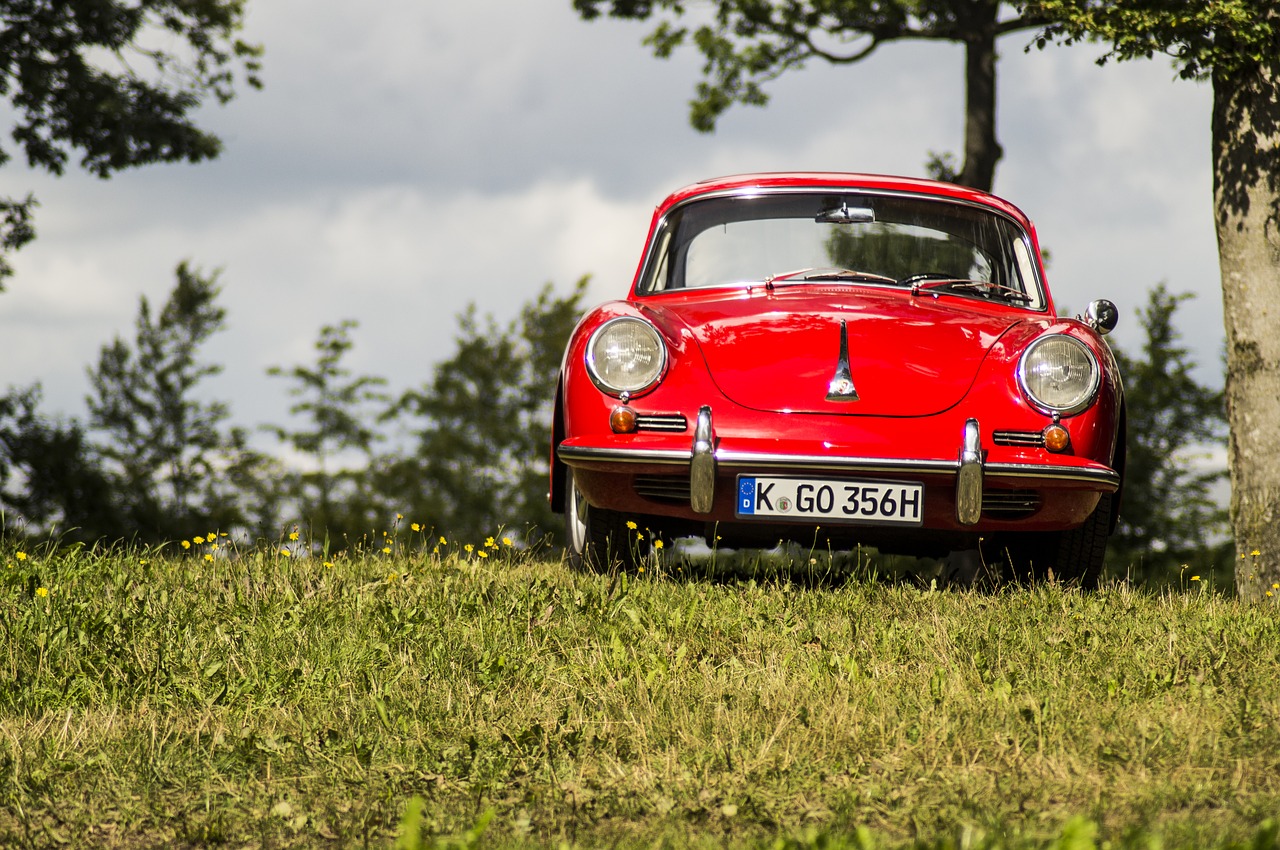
(191, 697)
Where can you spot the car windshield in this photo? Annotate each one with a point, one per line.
(782, 239)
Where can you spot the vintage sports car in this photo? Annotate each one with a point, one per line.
(839, 360)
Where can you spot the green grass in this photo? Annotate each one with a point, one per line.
(160, 699)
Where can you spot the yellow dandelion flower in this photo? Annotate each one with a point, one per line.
(186, 544)
(435, 551)
(386, 550)
(469, 548)
(1195, 578)
(285, 552)
(444, 542)
(293, 535)
(42, 592)
(639, 569)
(1268, 593)
(21, 556)
(483, 554)
(1255, 553)
(208, 556)
(399, 517)
(1275, 586)
(631, 525)
(639, 536)
(197, 540)
(489, 542)
(657, 544)
(506, 541)
(413, 526)
(328, 563)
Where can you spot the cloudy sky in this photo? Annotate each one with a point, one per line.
(407, 158)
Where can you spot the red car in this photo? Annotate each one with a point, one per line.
(839, 360)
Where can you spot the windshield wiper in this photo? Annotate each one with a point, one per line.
(927, 281)
(821, 273)
(846, 274)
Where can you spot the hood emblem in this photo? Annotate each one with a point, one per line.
(841, 386)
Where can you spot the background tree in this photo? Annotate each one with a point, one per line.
(1235, 44)
(51, 481)
(747, 43)
(1168, 514)
(116, 82)
(164, 444)
(338, 408)
(481, 428)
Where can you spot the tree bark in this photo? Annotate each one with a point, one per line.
(1246, 152)
(981, 147)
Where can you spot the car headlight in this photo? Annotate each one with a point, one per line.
(625, 355)
(1059, 374)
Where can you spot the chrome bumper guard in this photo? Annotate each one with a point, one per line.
(702, 465)
(969, 476)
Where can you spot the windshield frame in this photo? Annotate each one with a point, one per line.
(1021, 241)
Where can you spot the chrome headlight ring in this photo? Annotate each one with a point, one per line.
(626, 355)
(1059, 374)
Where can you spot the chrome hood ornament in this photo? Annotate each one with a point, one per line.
(841, 387)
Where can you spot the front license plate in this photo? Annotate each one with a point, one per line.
(830, 500)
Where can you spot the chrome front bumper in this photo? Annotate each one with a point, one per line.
(705, 460)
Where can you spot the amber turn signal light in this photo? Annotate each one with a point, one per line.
(1056, 438)
(623, 420)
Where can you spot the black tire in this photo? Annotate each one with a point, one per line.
(1075, 555)
(597, 539)
(1081, 551)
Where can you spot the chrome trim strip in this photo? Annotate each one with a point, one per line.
(672, 423)
(1060, 473)
(569, 454)
(844, 188)
(1034, 439)
(756, 460)
(702, 465)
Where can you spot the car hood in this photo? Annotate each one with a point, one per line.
(779, 350)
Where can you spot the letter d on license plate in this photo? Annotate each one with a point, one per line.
(830, 500)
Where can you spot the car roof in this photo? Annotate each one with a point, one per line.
(840, 180)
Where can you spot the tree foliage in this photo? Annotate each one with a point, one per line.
(1235, 44)
(481, 427)
(1168, 513)
(50, 479)
(165, 443)
(116, 82)
(340, 411)
(1202, 39)
(748, 43)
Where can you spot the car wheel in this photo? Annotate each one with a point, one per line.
(597, 539)
(1081, 551)
(1075, 555)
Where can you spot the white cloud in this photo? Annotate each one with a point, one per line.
(408, 158)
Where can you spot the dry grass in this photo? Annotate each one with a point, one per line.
(152, 699)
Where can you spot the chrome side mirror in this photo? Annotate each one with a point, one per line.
(1102, 315)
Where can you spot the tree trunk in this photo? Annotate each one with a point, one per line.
(1246, 152)
(981, 148)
